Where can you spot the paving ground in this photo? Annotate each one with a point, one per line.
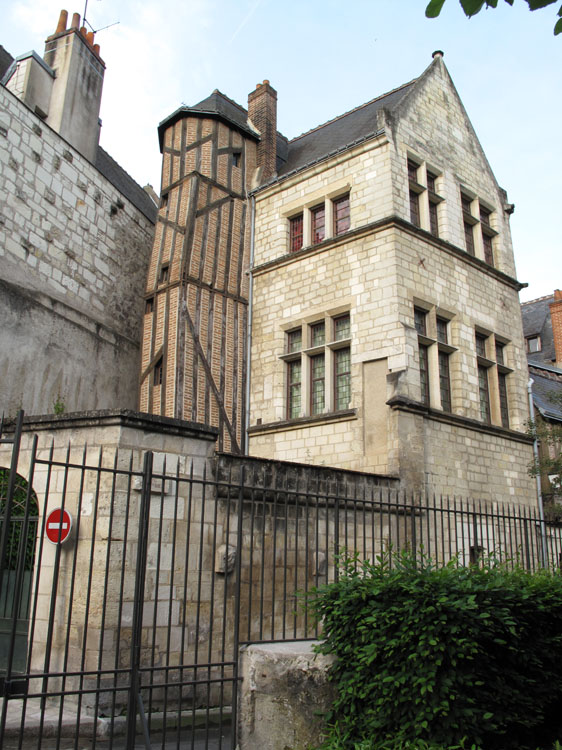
(48, 730)
(214, 740)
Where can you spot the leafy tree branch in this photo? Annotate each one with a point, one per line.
(472, 7)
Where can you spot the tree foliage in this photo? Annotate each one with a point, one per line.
(447, 656)
(18, 517)
(472, 7)
(549, 436)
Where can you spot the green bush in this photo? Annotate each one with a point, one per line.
(448, 656)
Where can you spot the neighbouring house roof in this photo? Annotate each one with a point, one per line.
(547, 378)
(125, 184)
(340, 133)
(5, 61)
(537, 322)
(547, 392)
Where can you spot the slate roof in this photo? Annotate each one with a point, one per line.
(547, 393)
(340, 133)
(325, 140)
(5, 61)
(217, 105)
(537, 322)
(547, 378)
(125, 184)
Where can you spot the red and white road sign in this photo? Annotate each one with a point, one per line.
(58, 525)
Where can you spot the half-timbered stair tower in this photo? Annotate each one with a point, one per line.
(194, 353)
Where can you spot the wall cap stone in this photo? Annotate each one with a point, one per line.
(117, 417)
(402, 403)
(299, 422)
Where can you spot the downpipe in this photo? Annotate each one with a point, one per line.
(544, 555)
(246, 443)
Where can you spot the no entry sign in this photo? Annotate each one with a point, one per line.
(58, 525)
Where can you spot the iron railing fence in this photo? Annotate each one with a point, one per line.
(133, 625)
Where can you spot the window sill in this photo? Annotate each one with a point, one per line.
(309, 421)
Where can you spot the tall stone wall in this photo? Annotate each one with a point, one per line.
(74, 254)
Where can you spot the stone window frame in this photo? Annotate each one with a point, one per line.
(479, 217)
(493, 352)
(434, 354)
(309, 352)
(424, 183)
(311, 234)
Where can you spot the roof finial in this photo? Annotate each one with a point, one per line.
(437, 53)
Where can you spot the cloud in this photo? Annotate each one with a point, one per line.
(146, 57)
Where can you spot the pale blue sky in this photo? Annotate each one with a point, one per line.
(324, 58)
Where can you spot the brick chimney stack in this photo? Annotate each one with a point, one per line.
(556, 317)
(262, 111)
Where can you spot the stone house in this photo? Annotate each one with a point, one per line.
(75, 237)
(542, 327)
(348, 296)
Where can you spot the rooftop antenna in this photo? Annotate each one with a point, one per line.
(86, 22)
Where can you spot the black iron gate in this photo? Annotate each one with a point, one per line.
(131, 623)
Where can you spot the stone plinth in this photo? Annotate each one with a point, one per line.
(283, 693)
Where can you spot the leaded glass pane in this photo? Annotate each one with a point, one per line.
(296, 233)
(469, 238)
(341, 328)
(444, 381)
(420, 317)
(317, 334)
(317, 390)
(499, 353)
(488, 249)
(502, 383)
(480, 345)
(342, 379)
(294, 340)
(442, 331)
(414, 208)
(294, 387)
(484, 394)
(433, 221)
(341, 215)
(318, 215)
(424, 374)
